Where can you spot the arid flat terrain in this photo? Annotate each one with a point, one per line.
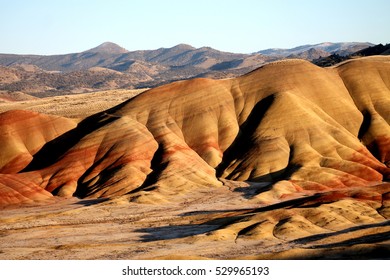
(288, 161)
(75, 106)
(215, 223)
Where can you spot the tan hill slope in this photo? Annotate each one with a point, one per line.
(300, 131)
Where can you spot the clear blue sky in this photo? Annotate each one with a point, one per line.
(66, 26)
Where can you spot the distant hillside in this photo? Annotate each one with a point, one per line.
(331, 48)
(83, 72)
(112, 56)
(374, 50)
(43, 83)
(110, 66)
(336, 58)
(310, 54)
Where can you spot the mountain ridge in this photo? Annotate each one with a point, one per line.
(60, 74)
(331, 48)
(114, 53)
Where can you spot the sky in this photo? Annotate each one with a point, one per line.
(48, 27)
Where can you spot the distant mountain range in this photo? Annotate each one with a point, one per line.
(344, 48)
(111, 66)
(112, 56)
(337, 58)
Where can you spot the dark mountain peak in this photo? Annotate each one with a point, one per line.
(108, 47)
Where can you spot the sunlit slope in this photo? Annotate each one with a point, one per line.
(368, 81)
(302, 128)
(22, 134)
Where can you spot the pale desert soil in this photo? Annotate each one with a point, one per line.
(76, 106)
(215, 223)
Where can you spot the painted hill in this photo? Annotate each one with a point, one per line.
(287, 161)
(323, 129)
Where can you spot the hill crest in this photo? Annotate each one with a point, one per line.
(108, 47)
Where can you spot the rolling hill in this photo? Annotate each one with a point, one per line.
(288, 161)
(231, 129)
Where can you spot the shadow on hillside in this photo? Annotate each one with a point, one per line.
(57, 147)
(224, 219)
(243, 143)
(187, 230)
(89, 202)
(370, 238)
(174, 232)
